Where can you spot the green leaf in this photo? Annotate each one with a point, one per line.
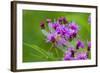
(41, 51)
(38, 49)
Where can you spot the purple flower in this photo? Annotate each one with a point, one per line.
(68, 34)
(60, 29)
(56, 38)
(71, 33)
(42, 25)
(81, 56)
(68, 56)
(89, 46)
(55, 25)
(64, 20)
(51, 38)
(73, 26)
(74, 34)
(72, 50)
(60, 40)
(79, 44)
(63, 30)
(60, 20)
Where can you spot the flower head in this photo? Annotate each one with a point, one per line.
(51, 38)
(60, 20)
(65, 20)
(81, 56)
(42, 25)
(73, 26)
(74, 29)
(48, 20)
(72, 50)
(68, 56)
(60, 41)
(79, 44)
(72, 34)
(55, 25)
(64, 31)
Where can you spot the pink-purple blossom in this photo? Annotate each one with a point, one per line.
(51, 38)
(79, 44)
(68, 56)
(61, 33)
(72, 50)
(81, 56)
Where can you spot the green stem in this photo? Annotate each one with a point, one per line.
(56, 52)
(38, 49)
(51, 47)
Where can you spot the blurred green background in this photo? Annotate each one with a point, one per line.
(35, 48)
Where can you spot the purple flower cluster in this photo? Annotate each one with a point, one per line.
(78, 56)
(61, 33)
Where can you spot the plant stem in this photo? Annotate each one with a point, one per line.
(56, 52)
(51, 47)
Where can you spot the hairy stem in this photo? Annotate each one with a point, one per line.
(56, 52)
(51, 47)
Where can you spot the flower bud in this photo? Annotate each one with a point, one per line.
(42, 25)
(48, 20)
